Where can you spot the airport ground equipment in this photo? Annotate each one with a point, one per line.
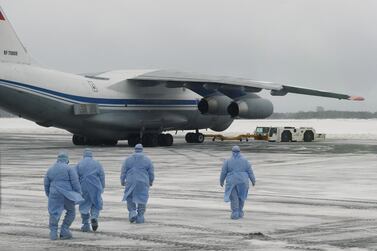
(221, 137)
(275, 134)
(294, 134)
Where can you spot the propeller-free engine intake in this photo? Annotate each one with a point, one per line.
(251, 107)
(215, 105)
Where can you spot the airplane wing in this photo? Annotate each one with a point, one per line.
(233, 87)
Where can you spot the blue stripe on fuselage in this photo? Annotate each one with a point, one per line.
(105, 101)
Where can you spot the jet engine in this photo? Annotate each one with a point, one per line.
(215, 105)
(251, 107)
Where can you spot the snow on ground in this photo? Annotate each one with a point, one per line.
(21, 125)
(309, 196)
(334, 128)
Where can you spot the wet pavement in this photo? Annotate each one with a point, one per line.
(309, 196)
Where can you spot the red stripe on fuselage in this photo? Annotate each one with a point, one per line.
(1, 16)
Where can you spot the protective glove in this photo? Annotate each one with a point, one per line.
(221, 184)
(150, 184)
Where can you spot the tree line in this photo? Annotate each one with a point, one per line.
(319, 114)
(331, 114)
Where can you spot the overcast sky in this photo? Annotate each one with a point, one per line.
(324, 44)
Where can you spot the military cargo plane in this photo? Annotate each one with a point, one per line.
(133, 105)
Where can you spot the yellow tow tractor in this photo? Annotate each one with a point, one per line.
(221, 137)
(260, 133)
(275, 134)
(240, 137)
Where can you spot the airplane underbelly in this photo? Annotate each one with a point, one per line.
(125, 121)
(23, 104)
(50, 111)
(44, 111)
(131, 119)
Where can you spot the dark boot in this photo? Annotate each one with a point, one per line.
(94, 224)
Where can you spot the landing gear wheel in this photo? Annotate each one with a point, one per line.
(110, 142)
(78, 140)
(161, 139)
(133, 140)
(190, 137)
(199, 137)
(165, 139)
(94, 142)
(194, 137)
(150, 139)
(169, 139)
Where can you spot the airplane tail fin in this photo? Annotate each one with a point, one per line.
(11, 48)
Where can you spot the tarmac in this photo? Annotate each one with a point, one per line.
(308, 196)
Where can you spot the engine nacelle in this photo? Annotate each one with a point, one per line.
(251, 107)
(215, 105)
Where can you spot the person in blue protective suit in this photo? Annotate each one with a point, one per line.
(63, 190)
(237, 172)
(137, 176)
(92, 180)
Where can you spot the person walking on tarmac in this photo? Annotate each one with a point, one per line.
(63, 190)
(237, 172)
(137, 175)
(92, 180)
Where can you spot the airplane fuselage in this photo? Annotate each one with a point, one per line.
(121, 107)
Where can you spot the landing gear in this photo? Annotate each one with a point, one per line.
(165, 139)
(151, 139)
(110, 142)
(133, 139)
(79, 140)
(194, 137)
